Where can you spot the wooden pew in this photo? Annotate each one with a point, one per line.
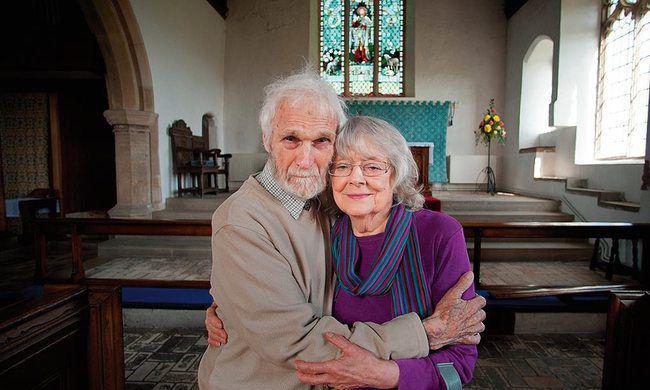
(627, 341)
(106, 362)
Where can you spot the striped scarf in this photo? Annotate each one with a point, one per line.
(397, 266)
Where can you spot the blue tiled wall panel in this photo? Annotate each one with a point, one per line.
(418, 121)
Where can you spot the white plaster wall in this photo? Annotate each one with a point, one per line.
(542, 17)
(577, 72)
(265, 39)
(459, 55)
(185, 43)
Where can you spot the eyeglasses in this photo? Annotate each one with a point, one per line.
(368, 168)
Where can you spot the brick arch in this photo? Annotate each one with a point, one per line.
(131, 105)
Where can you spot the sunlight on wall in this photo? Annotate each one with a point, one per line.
(536, 90)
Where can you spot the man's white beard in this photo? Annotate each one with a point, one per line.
(302, 183)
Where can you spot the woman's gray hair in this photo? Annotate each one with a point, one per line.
(362, 134)
(305, 87)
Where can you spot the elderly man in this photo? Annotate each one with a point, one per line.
(271, 271)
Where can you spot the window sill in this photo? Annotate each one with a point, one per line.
(627, 161)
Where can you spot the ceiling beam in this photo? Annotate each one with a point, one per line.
(512, 6)
(221, 6)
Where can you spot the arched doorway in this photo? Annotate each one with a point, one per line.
(131, 106)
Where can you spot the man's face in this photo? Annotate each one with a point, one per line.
(302, 144)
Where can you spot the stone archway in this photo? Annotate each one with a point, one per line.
(131, 106)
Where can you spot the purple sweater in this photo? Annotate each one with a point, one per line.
(444, 257)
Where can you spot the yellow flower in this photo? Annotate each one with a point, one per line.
(496, 118)
(487, 118)
(487, 128)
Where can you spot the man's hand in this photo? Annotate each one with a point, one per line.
(217, 335)
(356, 367)
(456, 321)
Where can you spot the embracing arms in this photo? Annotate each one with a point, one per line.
(263, 303)
(265, 300)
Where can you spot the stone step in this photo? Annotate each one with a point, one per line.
(183, 214)
(450, 206)
(208, 203)
(511, 216)
(155, 246)
(593, 192)
(479, 201)
(621, 205)
(532, 251)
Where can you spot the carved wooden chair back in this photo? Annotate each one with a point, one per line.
(182, 144)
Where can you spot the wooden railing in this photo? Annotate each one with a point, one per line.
(477, 231)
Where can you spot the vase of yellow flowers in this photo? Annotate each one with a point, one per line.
(490, 129)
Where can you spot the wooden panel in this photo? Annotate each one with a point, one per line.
(627, 341)
(421, 156)
(105, 343)
(42, 340)
(3, 216)
(56, 160)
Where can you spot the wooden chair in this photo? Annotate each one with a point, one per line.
(627, 341)
(421, 156)
(191, 156)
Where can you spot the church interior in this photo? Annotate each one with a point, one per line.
(125, 123)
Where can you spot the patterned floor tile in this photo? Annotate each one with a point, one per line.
(169, 359)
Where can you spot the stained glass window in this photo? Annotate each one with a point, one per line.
(362, 46)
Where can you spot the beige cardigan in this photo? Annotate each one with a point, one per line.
(273, 281)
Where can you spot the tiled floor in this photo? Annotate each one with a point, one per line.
(574, 273)
(177, 268)
(162, 359)
(169, 360)
(539, 361)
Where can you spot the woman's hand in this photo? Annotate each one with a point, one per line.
(356, 367)
(217, 335)
(455, 320)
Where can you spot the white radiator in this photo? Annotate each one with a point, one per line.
(243, 165)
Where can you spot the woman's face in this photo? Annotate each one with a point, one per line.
(360, 196)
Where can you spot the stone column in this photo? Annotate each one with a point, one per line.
(132, 130)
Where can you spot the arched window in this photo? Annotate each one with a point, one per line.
(361, 46)
(623, 78)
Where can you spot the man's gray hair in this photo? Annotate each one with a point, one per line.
(300, 89)
(364, 134)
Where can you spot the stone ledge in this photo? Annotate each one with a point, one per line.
(538, 149)
(130, 117)
(549, 178)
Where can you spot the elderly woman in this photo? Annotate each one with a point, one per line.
(391, 257)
